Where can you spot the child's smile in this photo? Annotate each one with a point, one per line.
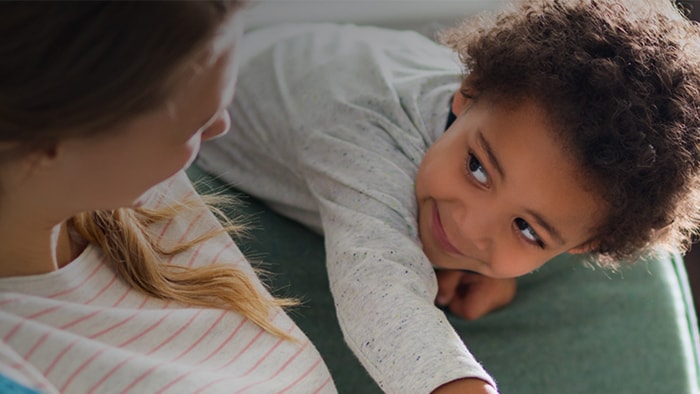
(498, 195)
(440, 236)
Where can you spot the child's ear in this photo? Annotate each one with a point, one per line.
(459, 102)
(464, 97)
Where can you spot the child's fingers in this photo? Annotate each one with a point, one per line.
(448, 280)
(477, 296)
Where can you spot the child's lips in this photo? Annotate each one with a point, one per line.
(440, 235)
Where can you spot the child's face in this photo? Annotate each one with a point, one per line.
(498, 195)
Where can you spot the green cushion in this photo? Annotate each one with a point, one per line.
(571, 329)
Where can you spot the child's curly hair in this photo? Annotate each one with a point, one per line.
(621, 83)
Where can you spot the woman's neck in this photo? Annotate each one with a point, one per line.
(27, 251)
(34, 236)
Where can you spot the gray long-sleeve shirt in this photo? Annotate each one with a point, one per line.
(329, 126)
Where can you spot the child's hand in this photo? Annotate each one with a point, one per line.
(465, 386)
(470, 295)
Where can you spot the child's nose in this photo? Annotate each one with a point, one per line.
(477, 225)
(219, 127)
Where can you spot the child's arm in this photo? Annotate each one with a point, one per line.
(471, 295)
(329, 128)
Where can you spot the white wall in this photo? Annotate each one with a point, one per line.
(393, 13)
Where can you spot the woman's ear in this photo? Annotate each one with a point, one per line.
(45, 157)
(39, 160)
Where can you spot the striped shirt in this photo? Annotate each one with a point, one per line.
(81, 329)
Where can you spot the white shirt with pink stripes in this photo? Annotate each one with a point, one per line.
(82, 330)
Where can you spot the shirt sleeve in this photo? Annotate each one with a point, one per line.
(330, 122)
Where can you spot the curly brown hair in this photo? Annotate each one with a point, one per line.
(621, 83)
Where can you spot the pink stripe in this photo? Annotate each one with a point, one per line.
(184, 235)
(294, 383)
(146, 331)
(112, 327)
(191, 225)
(110, 373)
(99, 266)
(295, 355)
(257, 364)
(194, 254)
(81, 368)
(83, 318)
(198, 341)
(252, 341)
(24, 370)
(99, 293)
(218, 254)
(212, 354)
(45, 311)
(25, 319)
(222, 248)
(122, 298)
(60, 355)
(140, 378)
(36, 346)
(123, 345)
(171, 384)
(165, 228)
(176, 333)
(279, 370)
(225, 342)
(13, 331)
(170, 222)
(145, 301)
(188, 195)
(323, 385)
(169, 339)
(161, 198)
(9, 300)
(211, 383)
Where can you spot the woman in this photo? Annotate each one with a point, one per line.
(114, 275)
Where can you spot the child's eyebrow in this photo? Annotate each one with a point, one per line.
(553, 232)
(493, 161)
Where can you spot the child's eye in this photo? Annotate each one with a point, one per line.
(476, 169)
(528, 232)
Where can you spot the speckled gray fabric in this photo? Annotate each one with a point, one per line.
(329, 126)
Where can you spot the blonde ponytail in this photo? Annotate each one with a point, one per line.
(137, 258)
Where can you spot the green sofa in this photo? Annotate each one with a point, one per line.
(570, 330)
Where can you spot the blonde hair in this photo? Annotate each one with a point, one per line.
(135, 254)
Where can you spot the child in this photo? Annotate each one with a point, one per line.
(575, 127)
(115, 277)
